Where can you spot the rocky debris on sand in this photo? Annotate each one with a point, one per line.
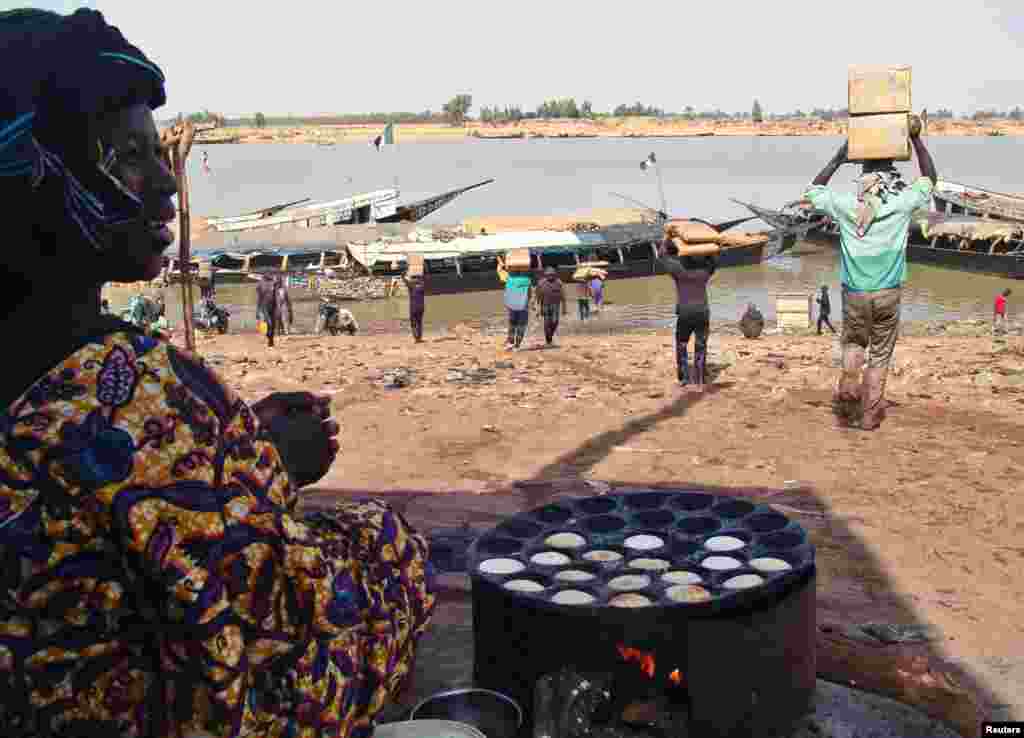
(478, 375)
(362, 288)
(397, 377)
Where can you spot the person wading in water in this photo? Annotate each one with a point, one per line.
(158, 579)
(824, 309)
(874, 226)
(691, 275)
(552, 302)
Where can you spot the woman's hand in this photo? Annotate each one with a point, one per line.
(299, 425)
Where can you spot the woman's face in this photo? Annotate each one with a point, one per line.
(136, 251)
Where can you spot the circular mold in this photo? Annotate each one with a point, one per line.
(780, 540)
(604, 523)
(770, 564)
(596, 505)
(681, 576)
(573, 597)
(767, 522)
(629, 582)
(644, 542)
(521, 584)
(654, 518)
(575, 575)
(603, 556)
(550, 558)
(645, 500)
(721, 563)
(649, 564)
(698, 526)
(733, 509)
(630, 599)
(687, 593)
(499, 546)
(724, 543)
(501, 567)
(519, 529)
(565, 539)
(743, 581)
(691, 501)
(553, 514)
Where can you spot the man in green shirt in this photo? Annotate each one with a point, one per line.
(874, 226)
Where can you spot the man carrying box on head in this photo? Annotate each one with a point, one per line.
(873, 229)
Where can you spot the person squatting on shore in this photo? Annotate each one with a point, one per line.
(517, 302)
(752, 322)
(583, 298)
(551, 296)
(824, 309)
(691, 275)
(157, 578)
(417, 288)
(874, 226)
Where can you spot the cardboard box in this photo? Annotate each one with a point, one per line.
(416, 265)
(793, 310)
(879, 88)
(691, 232)
(518, 260)
(873, 137)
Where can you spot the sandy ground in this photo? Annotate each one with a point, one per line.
(604, 127)
(934, 496)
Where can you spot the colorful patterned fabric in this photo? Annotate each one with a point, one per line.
(156, 578)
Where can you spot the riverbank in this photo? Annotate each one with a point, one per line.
(628, 127)
(932, 498)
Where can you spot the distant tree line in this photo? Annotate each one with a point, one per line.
(457, 111)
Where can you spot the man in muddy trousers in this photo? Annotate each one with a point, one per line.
(417, 304)
(266, 305)
(874, 226)
(824, 309)
(691, 275)
(552, 302)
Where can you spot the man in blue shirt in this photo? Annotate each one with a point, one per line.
(874, 226)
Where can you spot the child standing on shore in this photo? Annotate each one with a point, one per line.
(999, 310)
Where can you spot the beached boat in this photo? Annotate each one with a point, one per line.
(469, 262)
(991, 244)
(953, 198)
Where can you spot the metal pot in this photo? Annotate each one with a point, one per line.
(426, 729)
(494, 714)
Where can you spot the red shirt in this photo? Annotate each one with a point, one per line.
(1000, 305)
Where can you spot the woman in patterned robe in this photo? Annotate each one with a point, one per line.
(157, 580)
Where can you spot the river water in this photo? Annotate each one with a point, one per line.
(555, 176)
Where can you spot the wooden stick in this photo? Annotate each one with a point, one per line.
(903, 673)
(184, 245)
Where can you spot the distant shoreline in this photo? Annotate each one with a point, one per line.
(630, 127)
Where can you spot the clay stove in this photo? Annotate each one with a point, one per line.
(680, 597)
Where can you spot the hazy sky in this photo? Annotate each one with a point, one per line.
(329, 56)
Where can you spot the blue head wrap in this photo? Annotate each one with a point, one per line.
(59, 72)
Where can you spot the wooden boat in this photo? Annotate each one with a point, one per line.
(378, 206)
(469, 262)
(987, 244)
(953, 198)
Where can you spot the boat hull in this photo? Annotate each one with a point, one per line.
(998, 265)
(450, 282)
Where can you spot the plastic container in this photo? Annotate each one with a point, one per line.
(879, 88)
(883, 136)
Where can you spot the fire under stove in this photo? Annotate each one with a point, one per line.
(696, 610)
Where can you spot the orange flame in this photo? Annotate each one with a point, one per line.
(676, 677)
(644, 659)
